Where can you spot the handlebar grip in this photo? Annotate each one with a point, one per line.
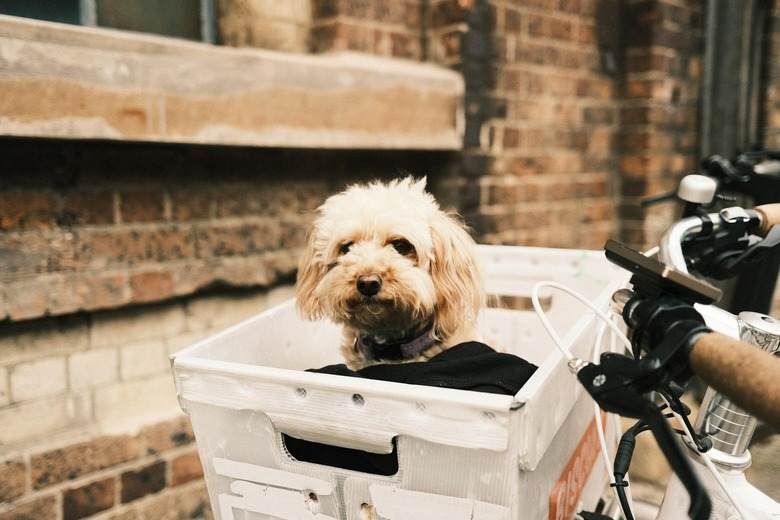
(770, 215)
(748, 376)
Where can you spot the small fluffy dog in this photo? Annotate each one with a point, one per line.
(398, 273)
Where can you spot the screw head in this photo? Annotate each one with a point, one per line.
(599, 380)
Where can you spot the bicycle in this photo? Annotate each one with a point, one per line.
(718, 244)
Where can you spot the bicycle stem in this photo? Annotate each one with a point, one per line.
(730, 427)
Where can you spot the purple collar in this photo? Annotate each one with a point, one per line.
(406, 349)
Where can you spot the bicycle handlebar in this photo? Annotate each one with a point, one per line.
(770, 215)
(747, 375)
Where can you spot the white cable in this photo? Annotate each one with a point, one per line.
(605, 321)
(599, 425)
(571, 292)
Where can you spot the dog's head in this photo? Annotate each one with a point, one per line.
(383, 259)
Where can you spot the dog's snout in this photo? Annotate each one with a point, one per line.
(369, 285)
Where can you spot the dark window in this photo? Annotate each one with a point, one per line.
(66, 11)
(190, 19)
(179, 18)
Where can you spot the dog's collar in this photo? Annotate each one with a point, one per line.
(406, 349)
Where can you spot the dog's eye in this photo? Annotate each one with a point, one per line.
(344, 248)
(402, 246)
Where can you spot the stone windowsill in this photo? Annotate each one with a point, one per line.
(66, 81)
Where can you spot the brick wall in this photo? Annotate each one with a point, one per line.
(541, 119)
(153, 474)
(281, 26)
(659, 110)
(92, 226)
(372, 26)
(87, 403)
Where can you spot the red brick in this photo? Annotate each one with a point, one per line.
(511, 138)
(403, 45)
(142, 482)
(70, 462)
(242, 238)
(164, 436)
(106, 290)
(142, 206)
(547, 27)
(187, 502)
(36, 509)
(88, 499)
(512, 20)
(448, 12)
(448, 45)
(151, 286)
(185, 468)
(11, 480)
(323, 38)
(26, 299)
(27, 210)
(86, 208)
(324, 8)
(191, 204)
(126, 247)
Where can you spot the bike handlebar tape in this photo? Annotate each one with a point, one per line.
(750, 377)
(770, 215)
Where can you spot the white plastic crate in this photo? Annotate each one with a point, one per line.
(461, 454)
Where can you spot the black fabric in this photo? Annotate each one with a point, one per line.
(467, 366)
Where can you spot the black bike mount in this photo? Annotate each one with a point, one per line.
(621, 385)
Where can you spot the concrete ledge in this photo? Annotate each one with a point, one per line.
(66, 81)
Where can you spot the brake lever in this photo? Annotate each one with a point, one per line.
(620, 385)
(730, 264)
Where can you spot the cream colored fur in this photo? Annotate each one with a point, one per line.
(439, 284)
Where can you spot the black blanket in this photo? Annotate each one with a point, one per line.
(467, 366)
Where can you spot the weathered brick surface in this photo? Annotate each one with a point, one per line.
(5, 395)
(373, 26)
(37, 419)
(217, 218)
(185, 468)
(166, 435)
(34, 509)
(73, 461)
(12, 479)
(144, 481)
(62, 481)
(89, 499)
(40, 378)
(93, 368)
(280, 26)
(136, 401)
(659, 119)
(27, 210)
(190, 501)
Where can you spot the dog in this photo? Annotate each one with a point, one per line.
(394, 270)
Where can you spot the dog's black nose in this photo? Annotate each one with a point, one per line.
(369, 285)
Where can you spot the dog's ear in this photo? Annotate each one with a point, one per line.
(310, 270)
(456, 276)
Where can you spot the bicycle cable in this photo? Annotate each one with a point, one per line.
(535, 300)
